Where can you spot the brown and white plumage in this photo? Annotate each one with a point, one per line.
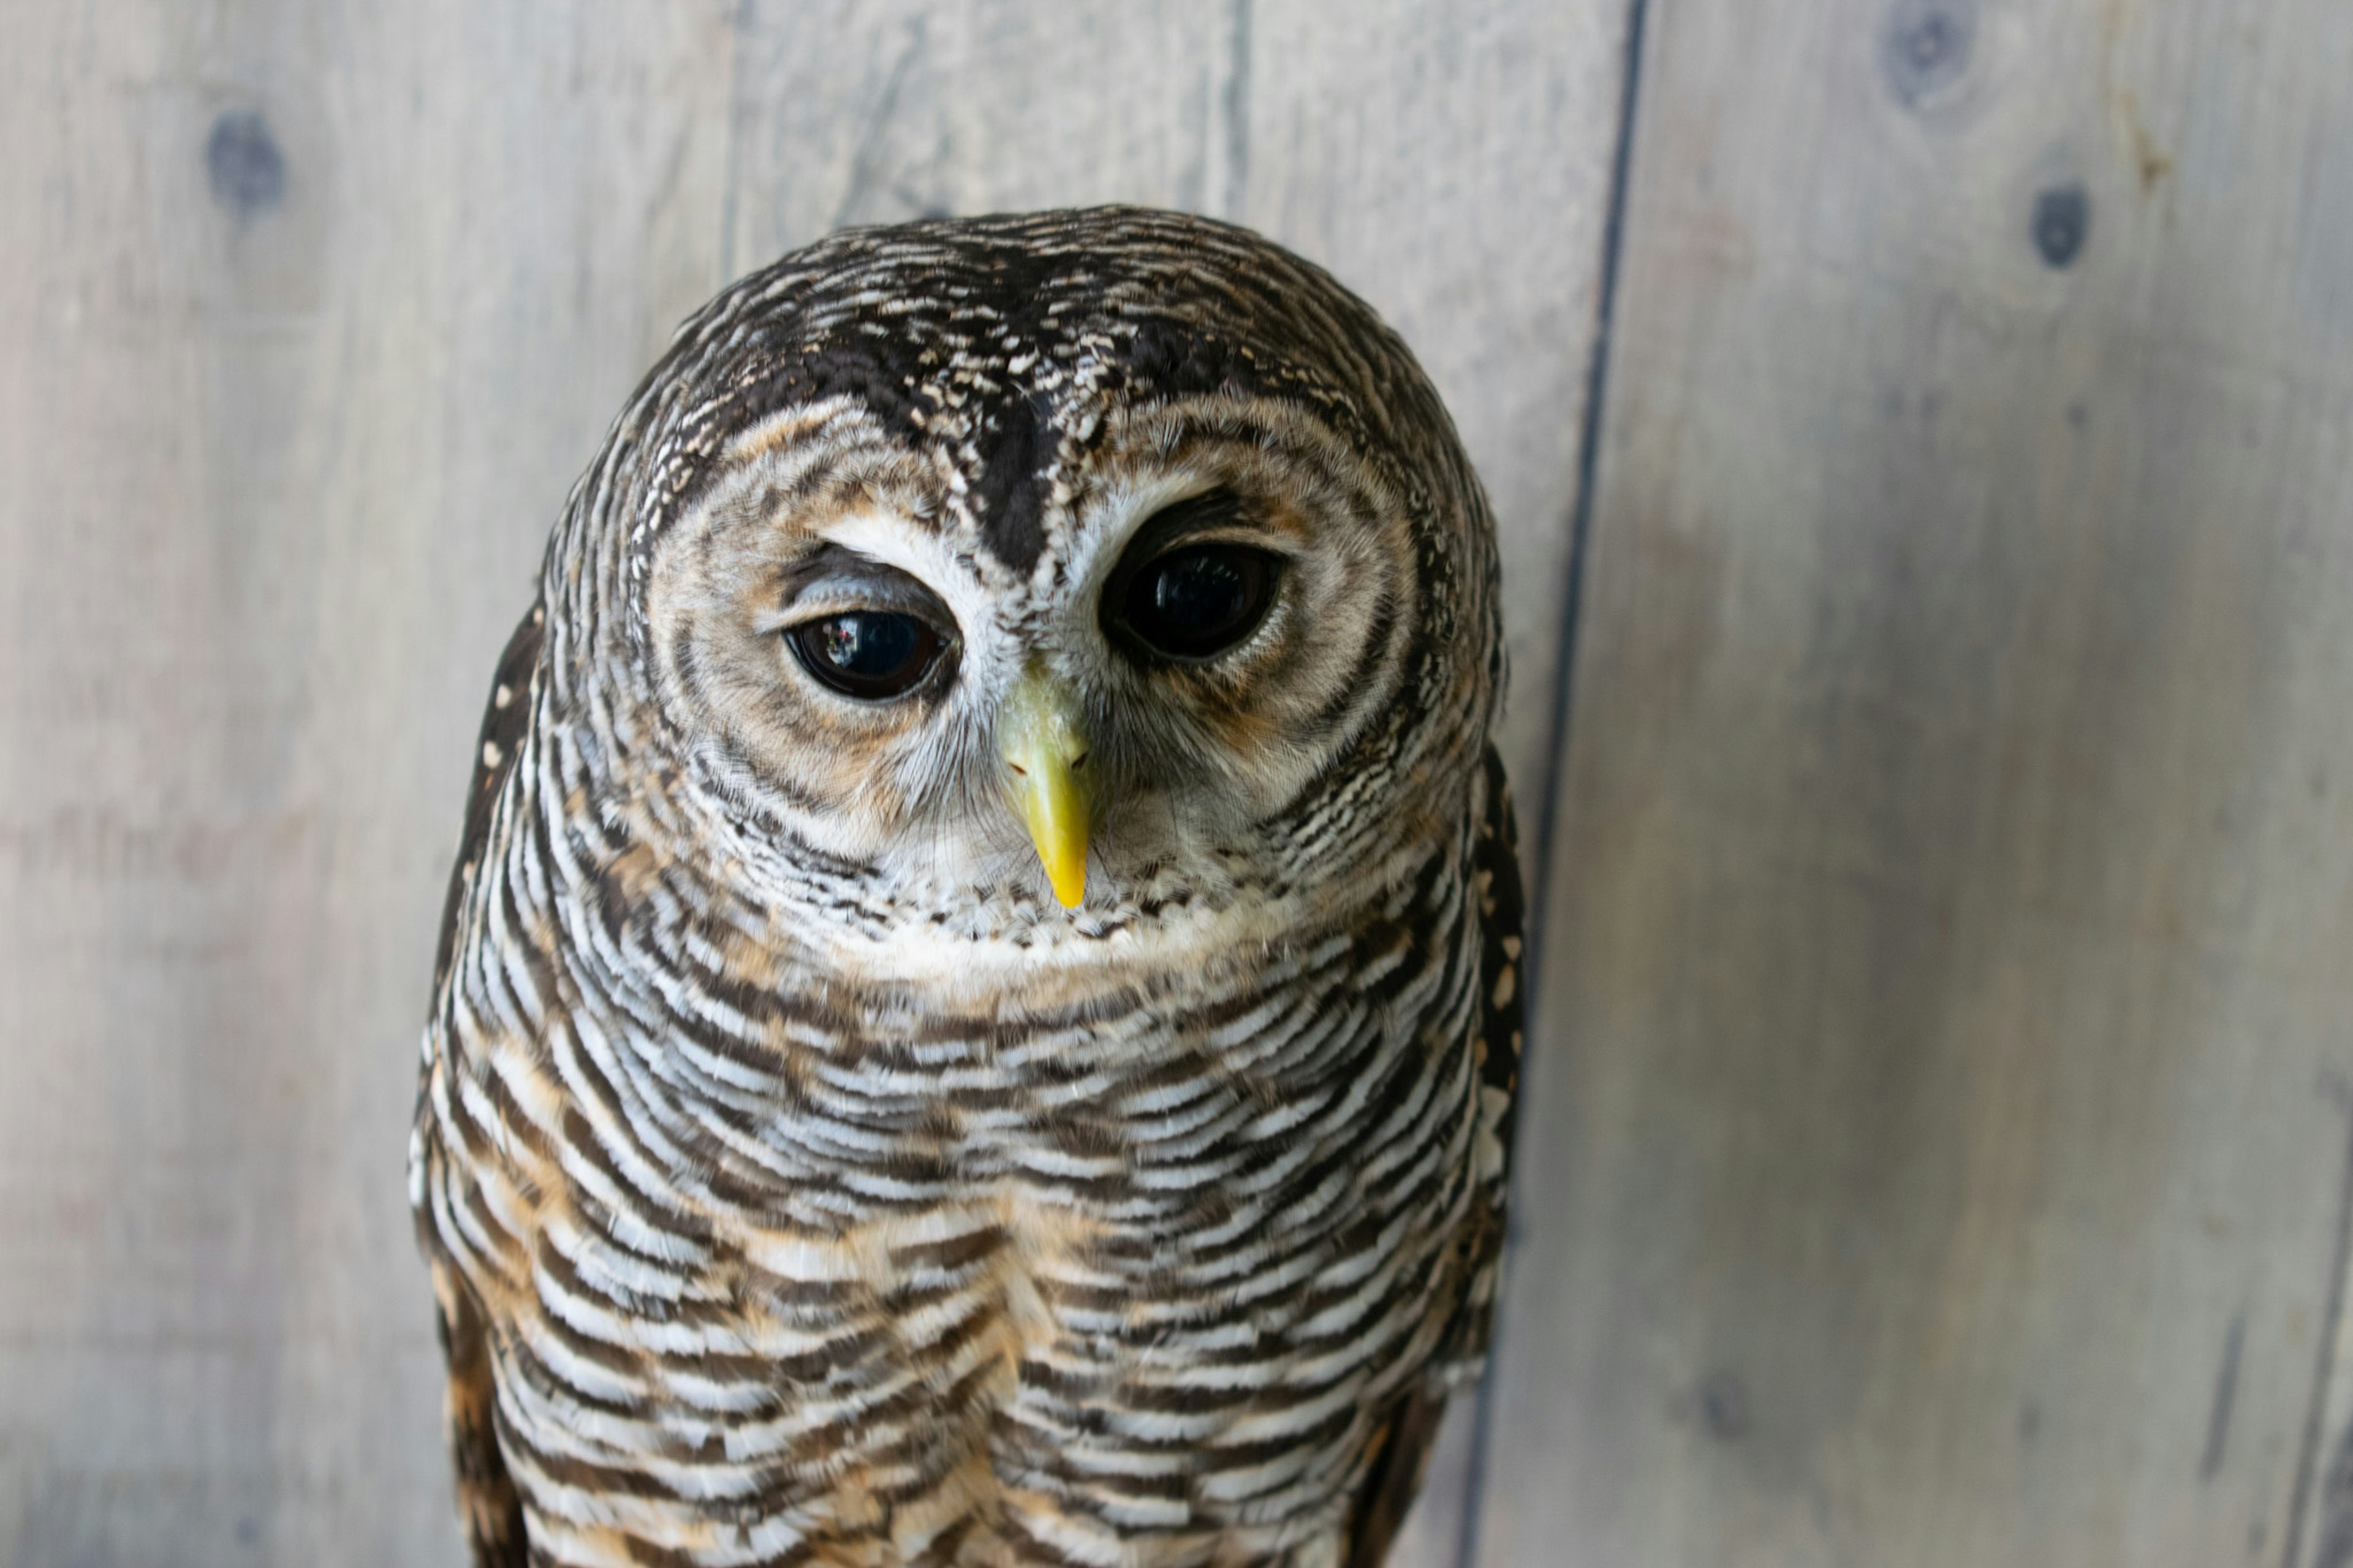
(802, 1182)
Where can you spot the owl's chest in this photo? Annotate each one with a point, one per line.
(1093, 1263)
(1152, 1149)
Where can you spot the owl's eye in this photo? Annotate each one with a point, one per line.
(1197, 602)
(868, 654)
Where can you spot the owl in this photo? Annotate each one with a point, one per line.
(977, 1018)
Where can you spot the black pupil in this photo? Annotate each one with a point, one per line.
(1199, 601)
(867, 653)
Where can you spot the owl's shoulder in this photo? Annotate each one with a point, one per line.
(504, 721)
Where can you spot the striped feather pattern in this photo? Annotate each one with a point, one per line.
(804, 1188)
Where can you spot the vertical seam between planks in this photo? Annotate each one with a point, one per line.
(1236, 126)
(739, 28)
(2324, 1368)
(1555, 769)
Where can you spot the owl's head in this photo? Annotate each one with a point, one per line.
(1050, 575)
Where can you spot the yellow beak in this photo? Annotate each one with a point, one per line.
(1042, 744)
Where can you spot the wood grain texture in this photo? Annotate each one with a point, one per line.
(1938, 1144)
(280, 453)
(309, 314)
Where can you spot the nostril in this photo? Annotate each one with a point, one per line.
(1017, 768)
(1080, 761)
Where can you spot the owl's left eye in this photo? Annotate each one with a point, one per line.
(872, 655)
(1194, 603)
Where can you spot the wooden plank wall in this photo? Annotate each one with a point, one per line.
(1940, 1145)
(1939, 1150)
(310, 310)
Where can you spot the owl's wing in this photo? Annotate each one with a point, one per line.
(1401, 1444)
(488, 1504)
(503, 723)
(487, 1501)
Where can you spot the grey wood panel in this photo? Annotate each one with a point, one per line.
(1938, 1153)
(309, 314)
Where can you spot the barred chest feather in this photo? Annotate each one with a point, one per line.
(783, 1268)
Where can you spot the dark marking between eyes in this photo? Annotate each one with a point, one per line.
(243, 165)
(2063, 223)
(1723, 1407)
(1925, 46)
(1011, 495)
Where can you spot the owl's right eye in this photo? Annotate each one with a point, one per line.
(872, 655)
